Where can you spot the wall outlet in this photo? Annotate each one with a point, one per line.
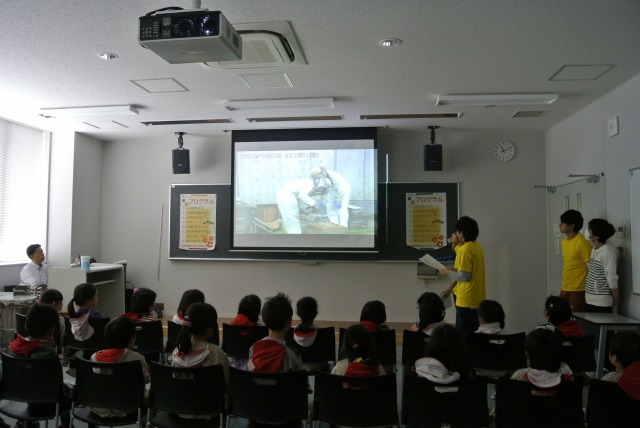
(620, 232)
(613, 126)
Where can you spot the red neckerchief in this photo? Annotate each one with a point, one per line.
(359, 369)
(268, 356)
(241, 319)
(630, 380)
(180, 317)
(22, 346)
(109, 355)
(570, 329)
(131, 315)
(370, 325)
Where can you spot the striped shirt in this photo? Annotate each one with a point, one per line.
(602, 276)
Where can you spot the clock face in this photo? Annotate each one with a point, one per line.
(504, 151)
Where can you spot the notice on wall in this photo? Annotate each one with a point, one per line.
(426, 220)
(197, 222)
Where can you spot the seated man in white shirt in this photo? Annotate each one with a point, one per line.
(35, 272)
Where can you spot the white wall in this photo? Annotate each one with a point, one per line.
(581, 143)
(135, 193)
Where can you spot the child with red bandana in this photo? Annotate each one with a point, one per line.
(271, 354)
(624, 354)
(188, 298)
(358, 349)
(248, 315)
(446, 358)
(373, 316)
(559, 313)
(120, 335)
(143, 305)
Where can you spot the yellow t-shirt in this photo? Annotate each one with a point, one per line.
(470, 258)
(576, 253)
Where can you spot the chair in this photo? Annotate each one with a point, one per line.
(201, 392)
(608, 406)
(578, 353)
(323, 349)
(267, 397)
(28, 381)
(522, 405)
(110, 386)
(149, 338)
(95, 343)
(497, 352)
(413, 344)
(21, 321)
(428, 404)
(355, 401)
(385, 343)
(173, 332)
(236, 339)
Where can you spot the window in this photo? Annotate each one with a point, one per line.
(24, 189)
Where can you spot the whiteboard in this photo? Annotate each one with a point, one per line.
(634, 207)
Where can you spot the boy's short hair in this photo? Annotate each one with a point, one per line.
(307, 309)
(142, 299)
(277, 312)
(558, 310)
(249, 306)
(543, 349)
(491, 311)
(601, 228)
(40, 319)
(51, 296)
(572, 217)
(119, 332)
(468, 227)
(31, 249)
(374, 311)
(626, 346)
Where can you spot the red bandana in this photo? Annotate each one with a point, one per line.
(23, 347)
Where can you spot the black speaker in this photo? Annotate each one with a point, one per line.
(433, 157)
(181, 161)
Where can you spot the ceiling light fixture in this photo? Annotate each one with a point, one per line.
(389, 43)
(280, 104)
(124, 110)
(495, 99)
(107, 55)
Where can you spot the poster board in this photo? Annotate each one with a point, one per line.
(634, 207)
(392, 226)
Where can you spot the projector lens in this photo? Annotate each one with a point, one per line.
(208, 26)
(183, 27)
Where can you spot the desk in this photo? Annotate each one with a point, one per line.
(9, 304)
(604, 323)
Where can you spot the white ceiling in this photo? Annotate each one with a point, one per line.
(48, 58)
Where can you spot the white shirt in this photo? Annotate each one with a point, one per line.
(34, 275)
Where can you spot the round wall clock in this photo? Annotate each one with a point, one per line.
(504, 151)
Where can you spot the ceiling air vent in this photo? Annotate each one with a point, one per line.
(265, 44)
(529, 113)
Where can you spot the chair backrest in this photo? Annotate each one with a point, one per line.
(462, 403)
(413, 344)
(497, 351)
(31, 380)
(236, 340)
(201, 389)
(149, 337)
(323, 349)
(355, 401)
(109, 385)
(385, 343)
(578, 353)
(520, 404)
(21, 321)
(268, 397)
(608, 406)
(95, 343)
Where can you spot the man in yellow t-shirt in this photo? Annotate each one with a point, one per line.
(468, 276)
(576, 252)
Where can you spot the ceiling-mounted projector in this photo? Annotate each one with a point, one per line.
(191, 36)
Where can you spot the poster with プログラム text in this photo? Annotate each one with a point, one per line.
(426, 220)
(197, 221)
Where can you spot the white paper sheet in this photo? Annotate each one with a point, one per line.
(430, 261)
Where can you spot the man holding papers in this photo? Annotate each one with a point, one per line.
(467, 276)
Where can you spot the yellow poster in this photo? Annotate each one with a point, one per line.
(197, 221)
(426, 220)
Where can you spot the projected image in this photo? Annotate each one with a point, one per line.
(303, 195)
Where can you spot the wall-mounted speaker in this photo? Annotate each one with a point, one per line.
(181, 163)
(433, 157)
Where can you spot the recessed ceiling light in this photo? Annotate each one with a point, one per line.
(107, 55)
(389, 43)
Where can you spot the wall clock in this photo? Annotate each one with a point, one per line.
(504, 151)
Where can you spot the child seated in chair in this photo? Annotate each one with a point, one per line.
(304, 334)
(430, 313)
(54, 298)
(624, 354)
(188, 298)
(143, 305)
(248, 315)
(558, 311)
(40, 324)
(546, 369)
(358, 350)
(120, 335)
(271, 354)
(491, 320)
(373, 316)
(81, 308)
(446, 358)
